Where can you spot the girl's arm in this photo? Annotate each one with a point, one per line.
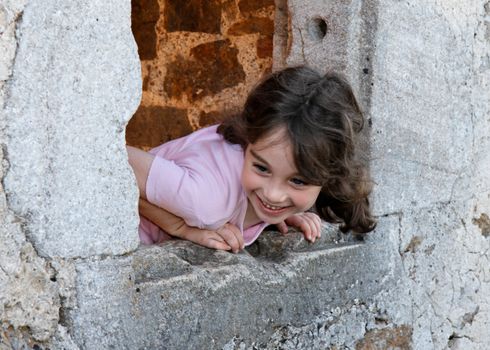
(167, 221)
(227, 237)
(140, 161)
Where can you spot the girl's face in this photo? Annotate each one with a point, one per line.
(274, 188)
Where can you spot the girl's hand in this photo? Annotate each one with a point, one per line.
(232, 235)
(309, 223)
(227, 237)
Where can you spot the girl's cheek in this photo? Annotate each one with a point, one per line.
(248, 179)
(253, 182)
(311, 197)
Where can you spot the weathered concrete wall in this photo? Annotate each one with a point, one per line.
(69, 82)
(29, 300)
(430, 131)
(185, 297)
(69, 272)
(75, 83)
(424, 80)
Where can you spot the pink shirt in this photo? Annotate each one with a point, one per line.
(197, 177)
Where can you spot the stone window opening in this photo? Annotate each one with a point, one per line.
(199, 60)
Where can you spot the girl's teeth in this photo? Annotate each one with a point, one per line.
(271, 207)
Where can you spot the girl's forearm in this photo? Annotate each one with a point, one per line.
(227, 237)
(167, 221)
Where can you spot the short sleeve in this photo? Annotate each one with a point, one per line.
(186, 192)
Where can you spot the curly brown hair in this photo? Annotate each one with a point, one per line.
(322, 118)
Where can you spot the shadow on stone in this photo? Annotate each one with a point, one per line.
(196, 255)
(274, 247)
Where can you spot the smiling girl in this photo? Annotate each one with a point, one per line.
(287, 159)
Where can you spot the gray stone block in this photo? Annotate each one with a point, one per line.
(422, 128)
(446, 259)
(183, 296)
(75, 83)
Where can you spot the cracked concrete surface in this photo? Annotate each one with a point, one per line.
(36, 285)
(29, 301)
(76, 82)
(447, 294)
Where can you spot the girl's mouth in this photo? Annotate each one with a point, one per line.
(271, 209)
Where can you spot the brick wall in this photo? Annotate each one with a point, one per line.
(199, 59)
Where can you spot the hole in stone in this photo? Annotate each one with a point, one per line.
(318, 28)
(263, 252)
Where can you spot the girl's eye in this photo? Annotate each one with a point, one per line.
(298, 182)
(260, 168)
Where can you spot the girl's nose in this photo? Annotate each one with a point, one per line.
(274, 194)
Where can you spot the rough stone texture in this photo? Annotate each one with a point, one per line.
(429, 110)
(483, 223)
(203, 16)
(202, 75)
(384, 312)
(264, 46)
(29, 298)
(199, 56)
(168, 124)
(397, 339)
(29, 301)
(74, 85)
(306, 43)
(449, 295)
(250, 6)
(211, 118)
(409, 70)
(181, 296)
(252, 25)
(144, 17)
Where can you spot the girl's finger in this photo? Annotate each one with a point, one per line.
(299, 221)
(315, 222)
(305, 227)
(229, 238)
(215, 244)
(238, 234)
(282, 227)
(294, 220)
(208, 239)
(319, 223)
(313, 230)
